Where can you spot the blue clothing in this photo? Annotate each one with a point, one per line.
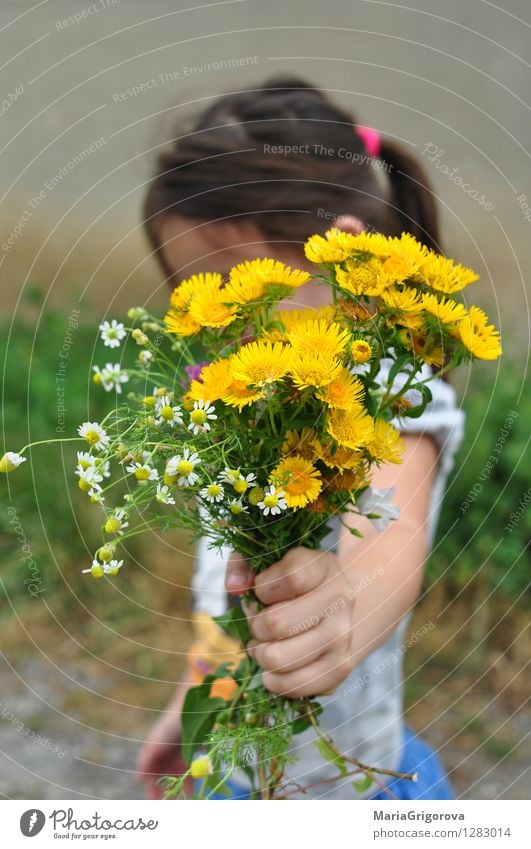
(417, 756)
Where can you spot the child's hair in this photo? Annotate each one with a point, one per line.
(283, 156)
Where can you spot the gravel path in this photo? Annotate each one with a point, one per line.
(49, 750)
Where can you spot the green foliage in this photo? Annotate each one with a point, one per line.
(198, 717)
(50, 509)
(485, 523)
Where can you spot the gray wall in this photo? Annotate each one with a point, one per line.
(448, 74)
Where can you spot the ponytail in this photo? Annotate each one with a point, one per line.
(412, 205)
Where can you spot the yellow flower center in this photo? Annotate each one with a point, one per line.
(184, 467)
(97, 571)
(201, 767)
(236, 509)
(298, 483)
(142, 474)
(270, 500)
(169, 479)
(112, 525)
(167, 413)
(84, 485)
(240, 486)
(198, 417)
(214, 489)
(92, 437)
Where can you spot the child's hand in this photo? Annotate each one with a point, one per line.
(161, 752)
(303, 640)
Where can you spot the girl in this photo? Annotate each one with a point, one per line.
(259, 172)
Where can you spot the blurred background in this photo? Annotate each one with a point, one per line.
(90, 94)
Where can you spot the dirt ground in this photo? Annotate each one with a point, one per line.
(71, 724)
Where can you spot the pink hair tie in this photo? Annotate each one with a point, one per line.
(370, 138)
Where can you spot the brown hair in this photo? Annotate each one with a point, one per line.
(285, 157)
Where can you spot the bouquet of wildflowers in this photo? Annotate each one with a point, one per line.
(255, 427)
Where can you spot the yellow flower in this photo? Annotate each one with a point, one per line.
(387, 445)
(183, 293)
(244, 290)
(404, 255)
(403, 300)
(11, 461)
(346, 481)
(239, 395)
(310, 369)
(181, 323)
(362, 278)
(354, 311)
(481, 339)
(319, 336)
(215, 381)
(433, 354)
(303, 442)
(260, 363)
(444, 310)
(201, 767)
(342, 392)
(291, 319)
(444, 275)
(341, 458)
(299, 479)
(209, 308)
(335, 246)
(269, 272)
(352, 428)
(360, 351)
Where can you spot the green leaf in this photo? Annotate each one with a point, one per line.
(397, 367)
(328, 752)
(234, 623)
(415, 412)
(362, 784)
(198, 717)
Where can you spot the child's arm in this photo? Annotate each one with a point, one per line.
(327, 612)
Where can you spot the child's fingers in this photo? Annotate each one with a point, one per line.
(319, 678)
(239, 577)
(299, 651)
(300, 571)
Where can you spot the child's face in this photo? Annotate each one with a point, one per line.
(191, 247)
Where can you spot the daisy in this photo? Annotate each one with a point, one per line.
(95, 495)
(240, 483)
(203, 410)
(89, 478)
(10, 461)
(145, 358)
(213, 493)
(163, 495)
(115, 524)
(236, 507)
(166, 413)
(180, 469)
(143, 471)
(94, 434)
(98, 570)
(273, 502)
(113, 376)
(112, 333)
